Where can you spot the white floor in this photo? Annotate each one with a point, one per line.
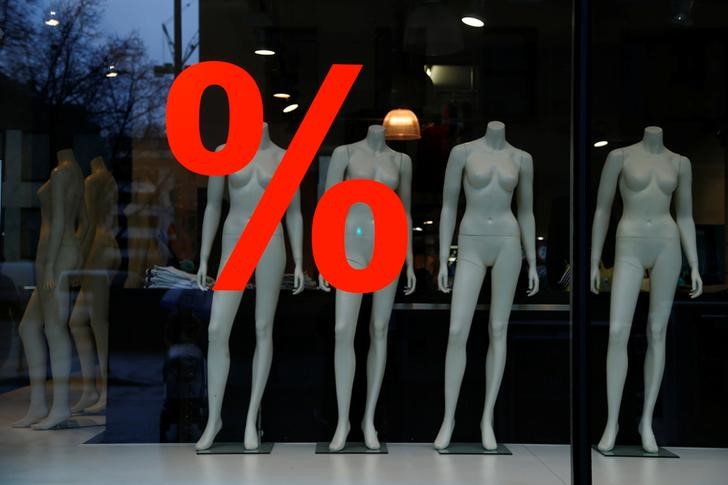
(50, 457)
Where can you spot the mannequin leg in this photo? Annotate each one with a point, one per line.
(56, 303)
(31, 334)
(268, 277)
(81, 333)
(663, 281)
(222, 315)
(504, 277)
(347, 313)
(466, 288)
(100, 326)
(382, 303)
(626, 282)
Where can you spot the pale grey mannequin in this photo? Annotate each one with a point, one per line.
(648, 238)
(90, 316)
(490, 170)
(245, 188)
(58, 253)
(369, 158)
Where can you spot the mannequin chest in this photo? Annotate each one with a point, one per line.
(641, 170)
(382, 168)
(260, 171)
(482, 168)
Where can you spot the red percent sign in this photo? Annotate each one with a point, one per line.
(244, 132)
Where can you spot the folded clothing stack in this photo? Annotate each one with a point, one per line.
(170, 277)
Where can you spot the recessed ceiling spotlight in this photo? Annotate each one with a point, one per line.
(601, 143)
(265, 52)
(473, 21)
(282, 95)
(290, 107)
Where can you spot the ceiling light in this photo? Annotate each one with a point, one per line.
(427, 223)
(401, 124)
(473, 21)
(112, 72)
(417, 228)
(290, 107)
(265, 52)
(540, 238)
(52, 20)
(601, 143)
(282, 95)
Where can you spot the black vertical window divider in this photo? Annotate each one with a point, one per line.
(580, 440)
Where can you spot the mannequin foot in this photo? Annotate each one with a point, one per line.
(88, 397)
(371, 439)
(649, 443)
(488, 436)
(98, 407)
(53, 419)
(251, 437)
(443, 437)
(339, 440)
(608, 438)
(208, 437)
(33, 416)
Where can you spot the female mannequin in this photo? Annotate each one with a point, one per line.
(372, 159)
(648, 238)
(58, 252)
(144, 228)
(102, 257)
(245, 189)
(490, 169)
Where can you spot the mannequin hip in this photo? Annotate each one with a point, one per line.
(485, 251)
(644, 252)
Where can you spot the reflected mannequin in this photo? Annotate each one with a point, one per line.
(371, 159)
(90, 316)
(490, 170)
(648, 238)
(59, 252)
(245, 188)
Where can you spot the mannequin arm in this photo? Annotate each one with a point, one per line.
(450, 195)
(210, 222)
(294, 226)
(685, 223)
(526, 221)
(605, 198)
(404, 190)
(58, 178)
(334, 175)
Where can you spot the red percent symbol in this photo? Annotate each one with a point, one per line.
(244, 132)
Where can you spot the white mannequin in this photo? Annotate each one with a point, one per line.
(372, 159)
(58, 252)
(648, 238)
(101, 257)
(490, 170)
(245, 189)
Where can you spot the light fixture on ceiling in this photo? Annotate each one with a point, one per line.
(52, 21)
(417, 229)
(265, 52)
(473, 20)
(112, 72)
(281, 95)
(427, 223)
(401, 124)
(290, 107)
(601, 143)
(540, 238)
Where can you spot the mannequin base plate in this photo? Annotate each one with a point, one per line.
(636, 451)
(473, 449)
(236, 448)
(81, 422)
(351, 448)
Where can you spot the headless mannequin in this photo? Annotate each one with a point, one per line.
(372, 159)
(101, 257)
(245, 189)
(58, 252)
(143, 229)
(490, 169)
(648, 238)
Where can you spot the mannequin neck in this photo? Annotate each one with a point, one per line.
(65, 156)
(97, 165)
(265, 138)
(652, 139)
(375, 138)
(495, 135)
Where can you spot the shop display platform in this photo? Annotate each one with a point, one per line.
(236, 449)
(635, 451)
